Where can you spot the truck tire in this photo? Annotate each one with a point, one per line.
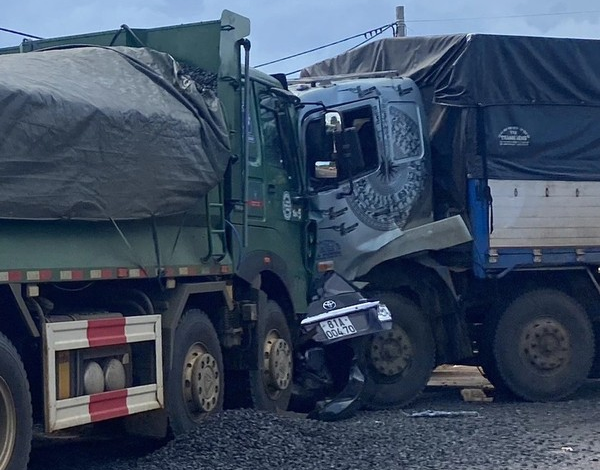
(398, 363)
(16, 424)
(271, 384)
(543, 345)
(269, 387)
(194, 386)
(487, 359)
(595, 369)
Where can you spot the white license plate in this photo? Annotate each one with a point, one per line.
(337, 327)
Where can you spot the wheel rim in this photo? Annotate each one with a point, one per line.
(545, 345)
(391, 351)
(8, 424)
(277, 364)
(201, 381)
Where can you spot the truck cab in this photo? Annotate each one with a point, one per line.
(370, 173)
(366, 150)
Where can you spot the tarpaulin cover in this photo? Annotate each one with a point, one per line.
(96, 133)
(527, 106)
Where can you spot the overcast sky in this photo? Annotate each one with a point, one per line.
(284, 27)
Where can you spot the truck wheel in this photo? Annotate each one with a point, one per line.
(15, 409)
(543, 345)
(595, 369)
(195, 384)
(486, 355)
(271, 384)
(398, 363)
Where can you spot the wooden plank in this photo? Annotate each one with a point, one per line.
(458, 376)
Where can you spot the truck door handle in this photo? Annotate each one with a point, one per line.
(271, 189)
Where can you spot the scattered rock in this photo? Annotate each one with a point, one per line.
(507, 435)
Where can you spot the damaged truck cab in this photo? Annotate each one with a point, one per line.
(379, 187)
(370, 175)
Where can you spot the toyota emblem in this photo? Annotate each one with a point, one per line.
(329, 304)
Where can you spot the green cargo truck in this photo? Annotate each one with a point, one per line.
(154, 257)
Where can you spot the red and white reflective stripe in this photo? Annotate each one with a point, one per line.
(78, 274)
(11, 276)
(101, 274)
(43, 275)
(72, 275)
(106, 332)
(107, 405)
(86, 334)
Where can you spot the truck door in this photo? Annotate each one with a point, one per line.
(276, 216)
(366, 202)
(341, 201)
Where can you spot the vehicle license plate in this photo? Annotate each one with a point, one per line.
(337, 327)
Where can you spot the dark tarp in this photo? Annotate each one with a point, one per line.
(95, 133)
(483, 69)
(528, 106)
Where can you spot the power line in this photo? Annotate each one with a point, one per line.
(371, 34)
(410, 29)
(430, 20)
(367, 34)
(564, 13)
(19, 33)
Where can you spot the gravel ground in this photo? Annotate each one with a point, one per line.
(498, 435)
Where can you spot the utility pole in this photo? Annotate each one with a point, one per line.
(400, 24)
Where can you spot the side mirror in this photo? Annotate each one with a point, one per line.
(333, 122)
(326, 170)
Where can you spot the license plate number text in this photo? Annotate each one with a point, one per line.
(338, 327)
